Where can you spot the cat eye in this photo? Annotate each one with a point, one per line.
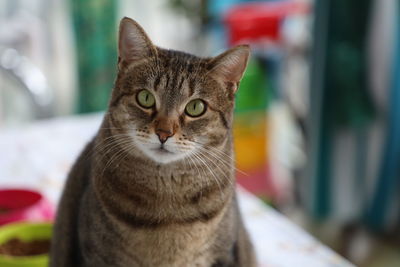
(145, 99)
(195, 108)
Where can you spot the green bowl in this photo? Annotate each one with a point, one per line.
(25, 232)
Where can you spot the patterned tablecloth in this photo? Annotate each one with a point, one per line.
(38, 156)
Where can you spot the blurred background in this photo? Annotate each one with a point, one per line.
(317, 127)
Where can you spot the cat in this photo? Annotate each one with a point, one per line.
(156, 186)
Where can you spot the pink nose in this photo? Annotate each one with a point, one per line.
(164, 128)
(163, 135)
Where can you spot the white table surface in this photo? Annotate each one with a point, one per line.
(39, 155)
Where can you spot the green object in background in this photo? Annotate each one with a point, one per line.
(253, 91)
(94, 23)
(25, 232)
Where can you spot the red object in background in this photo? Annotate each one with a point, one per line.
(259, 183)
(255, 21)
(24, 205)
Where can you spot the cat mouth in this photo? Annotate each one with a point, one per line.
(162, 150)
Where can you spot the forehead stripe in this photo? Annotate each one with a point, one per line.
(191, 86)
(167, 80)
(181, 82)
(156, 82)
(174, 81)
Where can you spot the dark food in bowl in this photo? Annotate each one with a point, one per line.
(17, 247)
(3, 210)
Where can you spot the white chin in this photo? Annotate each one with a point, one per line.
(163, 156)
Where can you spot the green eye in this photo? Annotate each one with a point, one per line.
(145, 99)
(195, 108)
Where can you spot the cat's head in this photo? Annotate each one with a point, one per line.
(173, 105)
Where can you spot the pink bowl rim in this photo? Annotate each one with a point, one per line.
(20, 211)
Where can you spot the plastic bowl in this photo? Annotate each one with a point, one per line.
(24, 205)
(25, 232)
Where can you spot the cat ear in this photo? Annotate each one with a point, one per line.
(230, 65)
(133, 42)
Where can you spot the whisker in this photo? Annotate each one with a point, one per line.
(219, 154)
(214, 148)
(213, 162)
(205, 177)
(211, 172)
(102, 145)
(201, 180)
(117, 154)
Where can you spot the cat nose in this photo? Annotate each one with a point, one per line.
(164, 128)
(163, 135)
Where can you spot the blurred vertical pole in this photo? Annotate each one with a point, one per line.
(94, 23)
(389, 175)
(317, 133)
(339, 95)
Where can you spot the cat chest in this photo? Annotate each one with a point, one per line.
(173, 246)
(108, 243)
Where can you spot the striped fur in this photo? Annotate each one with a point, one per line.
(124, 206)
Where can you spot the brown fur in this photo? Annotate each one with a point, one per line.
(125, 205)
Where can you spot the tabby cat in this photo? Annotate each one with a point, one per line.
(156, 186)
